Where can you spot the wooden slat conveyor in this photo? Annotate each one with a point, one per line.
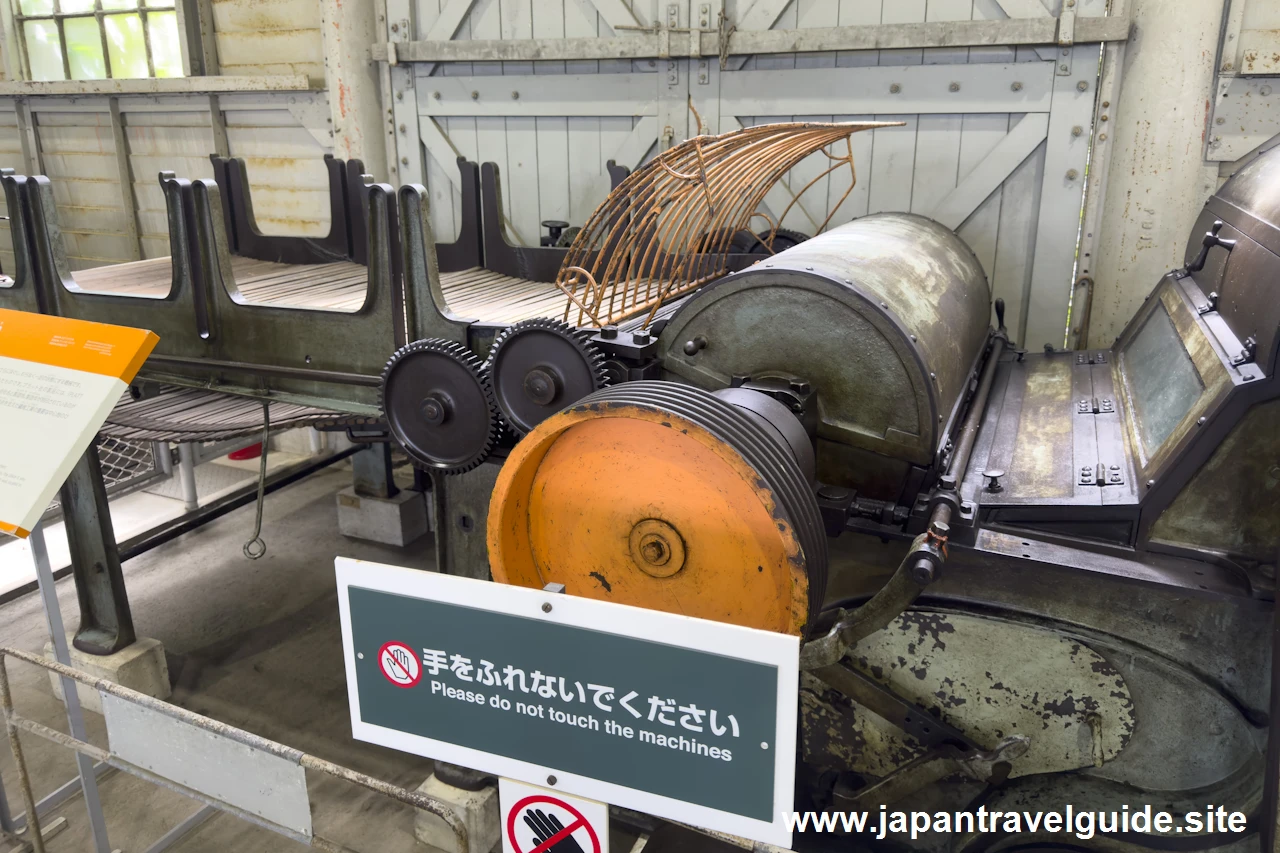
(477, 293)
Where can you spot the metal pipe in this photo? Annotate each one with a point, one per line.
(973, 422)
(187, 475)
(24, 777)
(70, 694)
(311, 762)
(335, 376)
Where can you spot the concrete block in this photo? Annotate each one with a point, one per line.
(140, 666)
(478, 810)
(391, 521)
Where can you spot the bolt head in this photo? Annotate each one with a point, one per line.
(551, 780)
(475, 96)
(546, 607)
(894, 88)
(609, 332)
(954, 87)
(940, 529)
(1016, 87)
(1082, 86)
(515, 96)
(540, 386)
(640, 337)
(1072, 174)
(924, 574)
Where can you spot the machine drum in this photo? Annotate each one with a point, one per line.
(438, 404)
(540, 366)
(663, 496)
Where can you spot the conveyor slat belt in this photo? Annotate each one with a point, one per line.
(477, 293)
(182, 414)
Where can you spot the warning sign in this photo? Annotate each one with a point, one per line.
(399, 664)
(540, 820)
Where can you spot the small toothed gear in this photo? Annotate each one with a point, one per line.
(538, 367)
(439, 404)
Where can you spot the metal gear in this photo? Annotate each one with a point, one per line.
(439, 405)
(538, 367)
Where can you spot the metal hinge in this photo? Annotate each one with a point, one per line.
(1099, 357)
(1095, 406)
(1102, 475)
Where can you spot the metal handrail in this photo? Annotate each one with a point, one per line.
(14, 723)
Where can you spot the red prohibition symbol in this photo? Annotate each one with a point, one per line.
(577, 822)
(399, 664)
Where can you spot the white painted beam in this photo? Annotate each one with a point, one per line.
(159, 85)
(954, 208)
(590, 95)
(1024, 87)
(932, 34)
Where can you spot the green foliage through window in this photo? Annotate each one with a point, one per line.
(97, 39)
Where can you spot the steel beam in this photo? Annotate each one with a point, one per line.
(371, 469)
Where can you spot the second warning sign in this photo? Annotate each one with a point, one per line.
(538, 820)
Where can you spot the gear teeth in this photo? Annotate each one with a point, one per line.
(581, 340)
(475, 366)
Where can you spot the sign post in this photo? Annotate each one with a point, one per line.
(682, 718)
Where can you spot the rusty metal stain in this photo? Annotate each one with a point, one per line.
(1042, 461)
(992, 679)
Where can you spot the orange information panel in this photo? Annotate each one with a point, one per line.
(59, 379)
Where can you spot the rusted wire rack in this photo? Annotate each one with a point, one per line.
(672, 224)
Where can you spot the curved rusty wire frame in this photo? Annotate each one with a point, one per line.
(668, 227)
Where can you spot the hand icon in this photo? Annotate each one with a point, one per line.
(547, 826)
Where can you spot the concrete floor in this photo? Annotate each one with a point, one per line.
(254, 644)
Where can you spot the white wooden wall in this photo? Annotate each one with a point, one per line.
(283, 138)
(1002, 158)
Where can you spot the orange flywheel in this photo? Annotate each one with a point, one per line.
(664, 496)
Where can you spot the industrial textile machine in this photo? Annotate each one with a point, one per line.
(1021, 579)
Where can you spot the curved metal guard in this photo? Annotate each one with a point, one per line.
(669, 227)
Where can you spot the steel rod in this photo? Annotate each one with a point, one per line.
(20, 760)
(70, 694)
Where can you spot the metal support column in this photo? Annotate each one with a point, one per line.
(460, 507)
(88, 465)
(106, 623)
(371, 468)
(187, 475)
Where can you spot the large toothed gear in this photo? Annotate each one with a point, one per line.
(538, 367)
(667, 497)
(439, 405)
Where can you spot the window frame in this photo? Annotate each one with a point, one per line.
(59, 18)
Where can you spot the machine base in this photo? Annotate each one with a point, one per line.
(139, 666)
(398, 520)
(478, 810)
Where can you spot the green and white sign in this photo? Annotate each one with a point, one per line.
(678, 717)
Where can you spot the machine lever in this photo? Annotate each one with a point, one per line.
(1211, 239)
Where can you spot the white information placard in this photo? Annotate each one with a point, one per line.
(59, 379)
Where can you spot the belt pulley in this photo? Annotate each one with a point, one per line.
(439, 406)
(668, 497)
